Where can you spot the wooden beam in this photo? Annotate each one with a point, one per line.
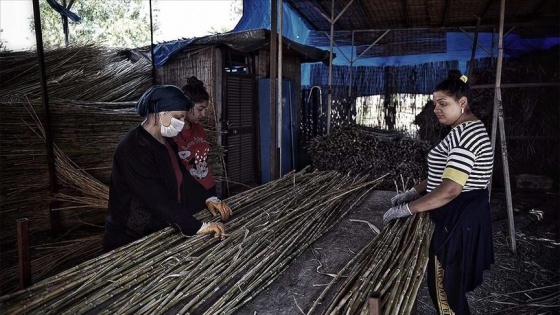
(24, 261)
(473, 51)
(516, 85)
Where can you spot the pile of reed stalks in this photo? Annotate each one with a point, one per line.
(392, 265)
(84, 73)
(531, 116)
(166, 271)
(89, 132)
(370, 151)
(76, 73)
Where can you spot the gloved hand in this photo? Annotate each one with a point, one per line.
(217, 228)
(396, 212)
(405, 196)
(216, 206)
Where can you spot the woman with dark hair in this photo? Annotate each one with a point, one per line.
(149, 188)
(456, 196)
(193, 147)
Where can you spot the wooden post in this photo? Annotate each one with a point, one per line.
(24, 264)
(329, 92)
(54, 215)
(475, 43)
(280, 97)
(273, 63)
(375, 303)
(498, 121)
(154, 75)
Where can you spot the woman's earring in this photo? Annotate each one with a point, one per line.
(462, 110)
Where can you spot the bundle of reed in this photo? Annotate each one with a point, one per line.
(87, 133)
(50, 257)
(24, 172)
(22, 67)
(392, 264)
(81, 73)
(531, 118)
(34, 206)
(272, 225)
(364, 150)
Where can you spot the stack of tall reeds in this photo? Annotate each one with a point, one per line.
(77, 73)
(532, 119)
(92, 95)
(392, 265)
(75, 76)
(166, 271)
(364, 150)
(85, 73)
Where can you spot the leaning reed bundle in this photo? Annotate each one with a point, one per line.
(78, 73)
(272, 224)
(392, 264)
(53, 256)
(370, 151)
(531, 116)
(20, 68)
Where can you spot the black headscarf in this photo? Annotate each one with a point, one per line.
(161, 98)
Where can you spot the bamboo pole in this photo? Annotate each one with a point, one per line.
(498, 119)
(329, 83)
(53, 187)
(273, 86)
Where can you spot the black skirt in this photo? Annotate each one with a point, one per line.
(463, 243)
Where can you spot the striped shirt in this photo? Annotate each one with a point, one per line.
(465, 156)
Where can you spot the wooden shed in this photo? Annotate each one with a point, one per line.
(233, 66)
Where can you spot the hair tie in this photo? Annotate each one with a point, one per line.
(464, 78)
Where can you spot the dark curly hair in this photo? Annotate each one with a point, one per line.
(195, 90)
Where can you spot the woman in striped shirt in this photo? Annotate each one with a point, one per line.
(456, 194)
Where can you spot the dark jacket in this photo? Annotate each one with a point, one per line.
(143, 194)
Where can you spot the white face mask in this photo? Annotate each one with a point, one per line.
(174, 127)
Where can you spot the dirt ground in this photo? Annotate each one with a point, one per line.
(527, 282)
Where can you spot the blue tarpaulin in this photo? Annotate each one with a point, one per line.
(256, 14)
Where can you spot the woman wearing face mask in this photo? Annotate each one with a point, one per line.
(149, 188)
(460, 168)
(193, 147)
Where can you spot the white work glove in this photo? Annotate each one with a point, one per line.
(400, 211)
(405, 196)
(216, 206)
(217, 228)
